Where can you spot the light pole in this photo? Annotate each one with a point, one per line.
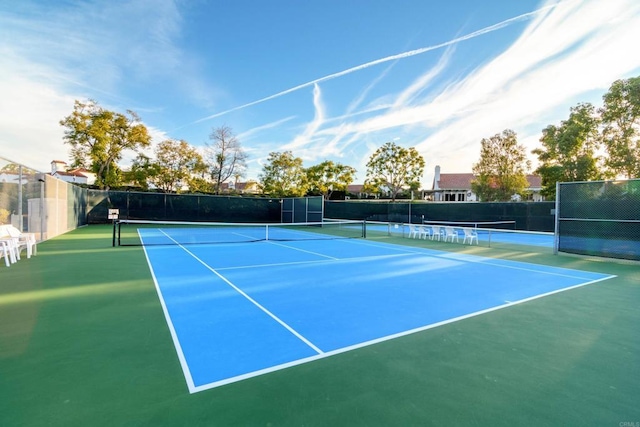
(41, 180)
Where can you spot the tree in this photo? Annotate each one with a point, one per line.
(143, 171)
(17, 168)
(568, 152)
(176, 162)
(225, 156)
(501, 170)
(621, 127)
(98, 138)
(326, 177)
(393, 168)
(283, 175)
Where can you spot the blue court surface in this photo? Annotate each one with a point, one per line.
(239, 310)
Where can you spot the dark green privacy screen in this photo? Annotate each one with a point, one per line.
(532, 216)
(600, 218)
(181, 207)
(302, 209)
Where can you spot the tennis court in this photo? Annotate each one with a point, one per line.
(237, 309)
(84, 338)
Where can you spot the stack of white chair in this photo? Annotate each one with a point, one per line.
(13, 241)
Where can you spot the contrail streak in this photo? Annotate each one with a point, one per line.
(477, 33)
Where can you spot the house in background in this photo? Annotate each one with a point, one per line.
(248, 187)
(456, 187)
(357, 190)
(77, 176)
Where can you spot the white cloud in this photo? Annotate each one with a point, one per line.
(574, 49)
(60, 52)
(30, 112)
(303, 140)
(569, 50)
(396, 57)
(248, 134)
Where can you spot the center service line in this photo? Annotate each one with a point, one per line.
(254, 302)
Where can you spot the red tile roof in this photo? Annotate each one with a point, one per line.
(535, 181)
(455, 181)
(72, 173)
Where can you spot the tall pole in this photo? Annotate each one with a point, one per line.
(410, 203)
(556, 222)
(21, 226)
(42, 211)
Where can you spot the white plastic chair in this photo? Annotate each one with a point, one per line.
(450, 233)
(8, 251)
(4, 252)
(22, 240)
(437, 233)
(470, 234)
(424, 231)
(413, 231)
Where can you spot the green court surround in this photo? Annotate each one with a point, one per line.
(83, 342)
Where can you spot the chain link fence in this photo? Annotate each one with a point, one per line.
(180, 207)
(530, 216)
(599, 218)
(36, 202)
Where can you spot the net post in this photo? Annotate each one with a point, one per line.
(113, 239)
(364, 228)
(556, 221)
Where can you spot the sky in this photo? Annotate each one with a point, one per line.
(324, 79)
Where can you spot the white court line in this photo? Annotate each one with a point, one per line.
(382, 339)
(254, 302)
(321, 354)
(441, 254)
(302, 250)
(174, 336)
(317, 261)
(477, 259)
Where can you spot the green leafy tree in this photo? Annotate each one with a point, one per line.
(143, 171)
(394, 168)
(199, 184)
(224, 156)
(621, 127)
(17, 168)
(98, 138)
(326, 177)
(568, 151)
(176, 162)
(501, 170)
(283, 175)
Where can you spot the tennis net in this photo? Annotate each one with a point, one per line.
(139, 232)
(492, 225)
